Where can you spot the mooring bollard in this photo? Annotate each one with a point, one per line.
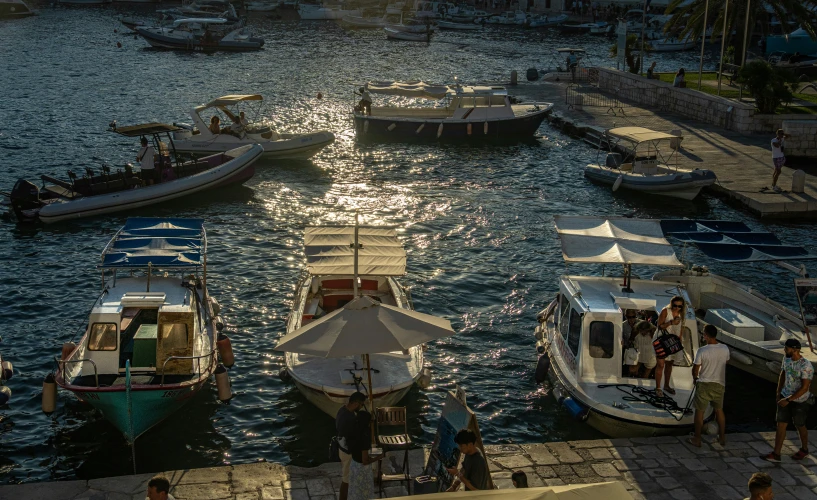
(513, 77)
(798, 181)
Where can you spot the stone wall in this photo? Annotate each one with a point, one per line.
(803, 140)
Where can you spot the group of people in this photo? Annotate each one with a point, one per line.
(236, 128)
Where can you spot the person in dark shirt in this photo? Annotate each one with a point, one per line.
(474, 471)
(345, 424)
(361, 479)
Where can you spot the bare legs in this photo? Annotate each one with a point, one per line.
(344, 491)
(661, 367)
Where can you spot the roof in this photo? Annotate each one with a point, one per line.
(414, 88)
(604, 294)
(156, 242)
(144, 129)
(230, 100)
(614, 240)
(329, 250)
(638, 134)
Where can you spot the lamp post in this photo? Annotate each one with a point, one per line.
(723, 43)
(703, 44)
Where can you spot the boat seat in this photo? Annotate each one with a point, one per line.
(332, 302)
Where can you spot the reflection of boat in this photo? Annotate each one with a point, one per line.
(10, 9)
(150, 343)
(109, 192)
(646, 171)
(201, 34)
(410, 36)
(331, 283)
(580, 333)
(199, 139)
(469, 113)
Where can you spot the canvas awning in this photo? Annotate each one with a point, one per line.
(638, 134)
(161, 243)
(416, 88)
(329, 250)
(229, 100)
(614, 240)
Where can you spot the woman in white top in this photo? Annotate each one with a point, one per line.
(671, 319)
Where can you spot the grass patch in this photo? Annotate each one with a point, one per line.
(796, 110)
(807, 97)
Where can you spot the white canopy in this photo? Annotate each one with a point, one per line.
(607, 491)
(329, 250)
(229, 100)
(614, 240)
(638, 134)
(415, 88)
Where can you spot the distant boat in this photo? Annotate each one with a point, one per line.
(322, 12)
(409, 36)
(363, 22)
(262, 6)
(203, 35)
(83, 2)
(449, 25)
(10, 9)
(545, 20)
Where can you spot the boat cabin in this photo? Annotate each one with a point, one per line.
(473, 102)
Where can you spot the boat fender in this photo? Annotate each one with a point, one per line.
(575, 409)
(740, 357)
(710, 428)
(284, 375)
(391, 127)
(219, 323)
(774, 366)
(617, 183)
(485, 128)
(424, 380)
(542, 367)
(469, 129)
(439, 131)
(67, 349)
(7, 370)
(540, 346)
(5, 395)
(420, 128)
(366, 126)
(215, 305)
(49, 394)
(320, 95)
(118, 45)
(223, 384)
(545, 313)
(225, 350)
(539, 333)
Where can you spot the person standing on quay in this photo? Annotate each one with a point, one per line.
(346, 426)
(709, 372)
(760, 487)
(778, 157)
(794, 399)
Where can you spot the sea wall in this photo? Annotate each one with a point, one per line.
(803, 140)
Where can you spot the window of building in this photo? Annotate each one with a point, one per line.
(601, 340)
(103, 337)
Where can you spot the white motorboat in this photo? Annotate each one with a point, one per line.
(202, 34)
(579, 335)
(111, 192)
(646, 171)
(546, 20)
(198, 139)
(754, 326)
(323, 12)
(333, 279)
(509, 18)
(672, 44)
(579, 28)
(450, 25)
(409, 36)
(359, 22)
(10, 9)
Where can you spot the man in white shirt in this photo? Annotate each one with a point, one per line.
(145, 159)
(709, 372)
(778, 157)
(365, 103)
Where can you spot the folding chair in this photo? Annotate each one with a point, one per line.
(391, 417)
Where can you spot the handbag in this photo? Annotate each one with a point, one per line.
(334, 449)
(667, 344)
(631, 356)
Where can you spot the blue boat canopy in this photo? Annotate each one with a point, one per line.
(158, 242)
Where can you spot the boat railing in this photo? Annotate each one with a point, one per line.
(197, 358)
(62, 362)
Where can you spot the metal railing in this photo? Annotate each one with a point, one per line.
(62, 362)
(198, 363)
(578, 95)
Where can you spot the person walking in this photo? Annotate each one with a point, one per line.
(794, 399)
(346, 427)
(760, 487)
(709, 373)
(778, 157)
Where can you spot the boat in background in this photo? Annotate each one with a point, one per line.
(509, 18)
(83, 2)
(6, 372)
(545, 20)
(12, 9)
(395, 8)
(413, 25)
(150, 341)
(580, 28)
(202, 35)
(409, 36)
(450, 25)
(262, 6)
(359, 22)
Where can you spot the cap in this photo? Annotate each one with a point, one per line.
(793, 344)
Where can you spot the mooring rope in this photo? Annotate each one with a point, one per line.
(647, 395)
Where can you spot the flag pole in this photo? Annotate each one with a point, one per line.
(703, 44)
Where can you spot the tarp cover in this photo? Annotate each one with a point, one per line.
(598, 491)
(414, 88)
(329, 250)
(638, 134)
(162, 243)
(229, 100)
(614, 240)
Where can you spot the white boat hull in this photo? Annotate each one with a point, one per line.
(684, 184)
(330, 404)
(290, 147)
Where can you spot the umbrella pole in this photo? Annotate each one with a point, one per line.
(371, 396)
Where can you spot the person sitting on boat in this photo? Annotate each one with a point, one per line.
(671, 321)
(679, 79)
(214, 125)
(365, 103)
(236, 128)
(145, 159)
(243, 119)
(646, 353)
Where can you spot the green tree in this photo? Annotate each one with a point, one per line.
(632, 53)
(768, 85)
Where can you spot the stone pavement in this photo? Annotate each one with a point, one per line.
(661, 468)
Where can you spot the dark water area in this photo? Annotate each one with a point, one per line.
(477, 224)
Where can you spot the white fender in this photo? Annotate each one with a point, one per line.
(739, 357)
(469, 129)
(420, 128)
(617, 183)
(391, 127)
(365, 126)
(439, 131)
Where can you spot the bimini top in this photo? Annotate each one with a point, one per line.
(144, 129)
(614, 240)
(160, 243)
(330, 250)
(729, 241)
(570, 50)
(638, 134)
(415, 88)
(230, 100)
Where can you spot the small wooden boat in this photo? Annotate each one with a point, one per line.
(109, 192)
(393, 34)
(150, 341)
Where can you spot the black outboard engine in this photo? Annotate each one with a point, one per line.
(25, 199)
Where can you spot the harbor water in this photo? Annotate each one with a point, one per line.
(477, 223)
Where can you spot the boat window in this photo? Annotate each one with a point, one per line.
(601, 339)
(563, 316)
(174, 336)
(103, 337)
(575, 332)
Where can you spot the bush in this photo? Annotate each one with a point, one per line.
(770, 86)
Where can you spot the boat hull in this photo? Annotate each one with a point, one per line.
(12, 10)
(299, 147)
(164, 41)
(330, 403)
(446, 25)
(685, 185)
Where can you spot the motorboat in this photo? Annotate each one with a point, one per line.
(476, 113)
(262, 6)
(546, 20)
(799, 64)
(323, 12)
(344, 262)
(580, 28)
(202, 34)
(11, 9)
(754, 326)
(672, 44)
(462, 13)
(413, 25)
(602, 29)
(204, 8)
(509, 18)
(580, 340)
(409, 36)
(359, 22)
(450, 25)
(645, 170)
(84, 2)
(150, 341)
(199, 140)
(98, 193)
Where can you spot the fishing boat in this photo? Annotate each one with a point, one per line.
(546, 20)
(344, 262)
(579, 336)
(201, 34)
(467, 113)
(413, 25)
(11, 9)
(98, 193)
(646, 170)
(754, 326)
(409, 36)
(198, 139)
(149, 344)
(451, 25)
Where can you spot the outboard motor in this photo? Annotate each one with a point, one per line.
(25, 197)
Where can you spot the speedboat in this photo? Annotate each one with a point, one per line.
(451, 25)
(198, 139)
(150, 341)
(545, 20)
(108, 192)
(409, 36)
(646, 171)
(468, 113)
(322, 12)
(579, 336)
(672, 44)
(509, 18)
(10, 9)
(334, 277)
(752, 325)
(202, 34)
